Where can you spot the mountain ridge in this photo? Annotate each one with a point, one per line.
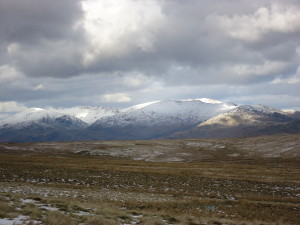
(158, 119)
(244, 121)
(189, 118)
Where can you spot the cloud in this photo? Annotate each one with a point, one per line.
(38, 36)
(295, 79)
(268, 68)
(39, 87)
(11, 106)
(116, 29)
(101, 37)
(32, 20)
(8, 74)
(280, 101)
(131, 51)
(250, 28)
(49, 59)
(116, 97)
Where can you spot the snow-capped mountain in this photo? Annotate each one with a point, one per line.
(36, 125)
(82, 116)
(161, 105)
(244, 121)
(41, 117)
(159, 118)
(89, 114)
(165, 112)
(191, 118)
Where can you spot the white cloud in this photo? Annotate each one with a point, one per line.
(11, 106)
(267, 68)
(116, 28)
(295, 79)
(13, 48)
(116, 97)
(137, 80)
(132, 81)
(250, 28)
(39, 87)
(8, 73)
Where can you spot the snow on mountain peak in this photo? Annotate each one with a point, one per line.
(89, 114)
(184, 112)
(266, 109)
(210, 101)
(289, 111)
(35, 109)
(139, 106)
(161, 102)
(204, 100)
(31, 115)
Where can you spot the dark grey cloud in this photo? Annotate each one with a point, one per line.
(66, 38)
(31, 20)
(37, 36)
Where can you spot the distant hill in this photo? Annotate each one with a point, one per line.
(244, 121)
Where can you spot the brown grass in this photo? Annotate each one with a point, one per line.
(97, 220)
(33, 211)
(57, 218)
(6, 211)
(112, 190)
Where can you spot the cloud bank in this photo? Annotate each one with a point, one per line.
(122, 52)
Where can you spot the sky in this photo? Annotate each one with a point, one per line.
(119, 53)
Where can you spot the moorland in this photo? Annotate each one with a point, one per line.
(160, 182)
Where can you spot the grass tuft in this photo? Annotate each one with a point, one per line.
(98, 220)
(57, 218)
(6, 211)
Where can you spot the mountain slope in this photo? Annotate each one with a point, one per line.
(37, 124)
(158, 119)
(89, 114)
(41, 117)
(244, 121)
(192, 118)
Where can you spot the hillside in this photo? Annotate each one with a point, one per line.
(245, 121)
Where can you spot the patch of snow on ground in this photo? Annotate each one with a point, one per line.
(26, 201)
(197, 144)
(49, 208)
(82, 213)
(173, 159)
(18, 221)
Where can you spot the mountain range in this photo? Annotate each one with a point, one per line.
(175, 119)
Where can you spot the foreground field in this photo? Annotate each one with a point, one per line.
(191, 182)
